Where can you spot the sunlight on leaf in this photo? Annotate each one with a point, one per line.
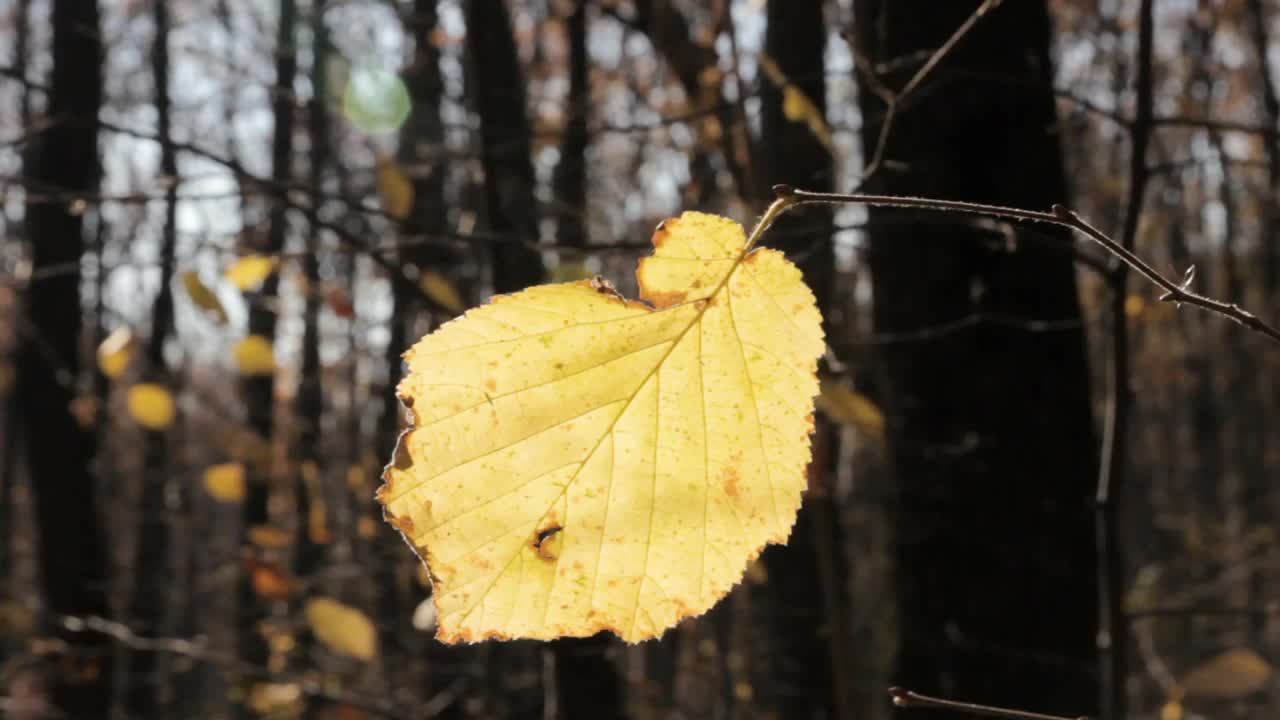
(250, 271)
(202, 297)
(151, 405)
(254, 356)
(582, 462)
(342, 628)
(115, 352)
(225, 482)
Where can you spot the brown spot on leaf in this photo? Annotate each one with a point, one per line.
(404, 524)
(730, 478)
(491, 385)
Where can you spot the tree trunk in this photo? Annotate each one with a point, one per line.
(72, 548)
(259, 390)
(497, 87)
(149, 692)
(989, 420)
(806, 672)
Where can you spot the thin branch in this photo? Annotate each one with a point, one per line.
(895, 100)
(1060, 216)
(908, 699)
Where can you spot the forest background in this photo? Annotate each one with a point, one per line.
(1034, 484)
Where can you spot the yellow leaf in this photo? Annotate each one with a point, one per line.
(1233, 674)
(796, 105)
(225, 482)
(848, 407)
(1171, 710)
(438, 288)
(269, 537)
(202, 297)
(270, 581)
(255, 356)
(274, 699)
(1133, 306)
(582, 462)
(151, 406)
(250, 271)
(344, 629)
(115, 352)
(395, 187)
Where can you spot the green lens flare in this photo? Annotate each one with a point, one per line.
(375, 100)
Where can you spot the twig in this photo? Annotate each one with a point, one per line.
(894, 100)
(1060, 216)
(908, 699)
(198, 649)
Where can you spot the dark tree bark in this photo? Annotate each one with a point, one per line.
(989, 422)
(149, 693)
(587, 684)
(805, 635)
(259, 390)
(497, 87)
(72, 548)
(312, 505)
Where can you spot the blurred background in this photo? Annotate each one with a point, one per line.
(223, 221)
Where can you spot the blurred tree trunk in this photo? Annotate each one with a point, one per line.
(497, 88)
(59, 449)
(311, 504)
(149, 693)
(989, 422)
(587, 684)
(420, 155)
(259, 389)
(804, 634)
(9, 427)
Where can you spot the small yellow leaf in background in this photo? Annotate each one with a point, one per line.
(1134, 305)
(275, 699)
(439, 288)
(225, 482)
(366, 528)
(842, 403)
(342, 628)
(395, 187)
(270, 580)
(202, 297)
(151, 406)
(1171, 710)
(115, 352)
(582, 462)
(255, 356)
(250, 271)
(1233, 674)
(269, 537)
(796, 105)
